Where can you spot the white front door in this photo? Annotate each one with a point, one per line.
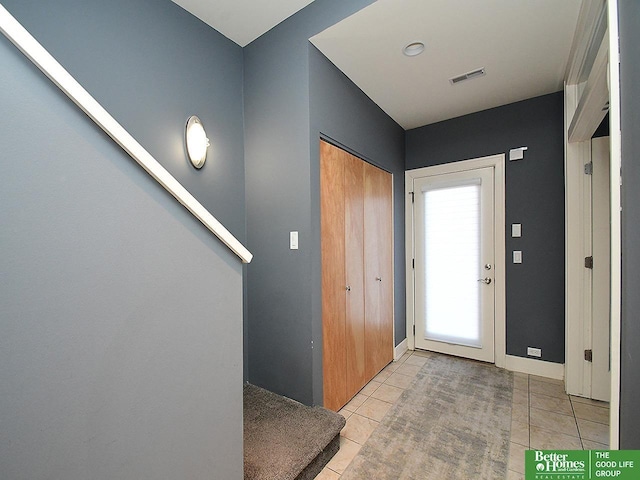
(454, 263)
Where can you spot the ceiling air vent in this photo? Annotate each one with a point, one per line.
(467, 76)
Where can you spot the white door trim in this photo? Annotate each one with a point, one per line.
(576, 155)
(616, 207)
(577, 246)
(498, 163)
(601, 250)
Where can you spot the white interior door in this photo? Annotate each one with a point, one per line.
(454, 263)
(601, 277)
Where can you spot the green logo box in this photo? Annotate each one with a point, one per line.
(582, 464)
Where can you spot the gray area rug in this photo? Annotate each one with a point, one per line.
(453, 422)
(284, 439)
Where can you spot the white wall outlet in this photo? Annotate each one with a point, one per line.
(517, 256)
(534, 352)
(293, 240)
(516, 230)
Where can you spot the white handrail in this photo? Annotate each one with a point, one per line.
(35, 52)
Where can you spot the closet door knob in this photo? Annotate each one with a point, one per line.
(379, 279)
(348, 288)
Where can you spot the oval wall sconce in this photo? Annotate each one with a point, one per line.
(196, 141)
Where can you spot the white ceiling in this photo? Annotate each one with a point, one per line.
(242, 20)
(523, 45)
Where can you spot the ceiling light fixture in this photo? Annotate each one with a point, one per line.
(413, 49)
(196, 141)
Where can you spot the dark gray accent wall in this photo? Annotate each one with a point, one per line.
(629, 14)
(120, 314)
(284, 114)
(534, 198)
(343, 114)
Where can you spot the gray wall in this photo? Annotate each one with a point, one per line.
(120, 314)
(284, 114)
(629, 11)
(534, 198)
(152, 65)
(342, 113)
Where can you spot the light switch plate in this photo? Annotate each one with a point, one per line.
(517, 153)
(517, 256)
(293, 240)
(516, 230)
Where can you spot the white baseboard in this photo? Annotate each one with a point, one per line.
(535, 367)
(400, 349)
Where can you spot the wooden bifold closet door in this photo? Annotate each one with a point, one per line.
(357, 277)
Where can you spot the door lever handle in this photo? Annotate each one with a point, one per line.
(486, 280)
(379, 279)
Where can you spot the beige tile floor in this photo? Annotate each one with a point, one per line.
(543, 416)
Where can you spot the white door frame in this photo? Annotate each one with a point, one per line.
(499, 277)
(586, 92)
(600, 381)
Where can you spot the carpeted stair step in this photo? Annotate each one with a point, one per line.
(285, 440)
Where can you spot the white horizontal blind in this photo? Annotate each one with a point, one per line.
(452, 263)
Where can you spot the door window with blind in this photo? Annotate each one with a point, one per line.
(452, 263)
